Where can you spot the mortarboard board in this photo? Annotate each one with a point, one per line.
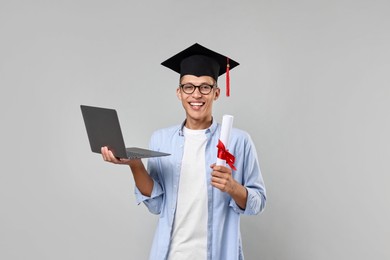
(199, 61)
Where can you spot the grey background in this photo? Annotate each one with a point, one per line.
(312, 90)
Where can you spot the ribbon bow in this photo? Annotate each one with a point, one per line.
(224, 154)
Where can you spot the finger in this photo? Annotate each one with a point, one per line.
(218, 180)
(217, 174)
(221, 168)
(112, 157)
(218, 186)
(224, 178)
(104, 153)
(222, 173)
(216, 167)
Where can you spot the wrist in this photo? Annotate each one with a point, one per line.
(235, 188)
(135, 164)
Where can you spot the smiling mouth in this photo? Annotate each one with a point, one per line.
(196, 104)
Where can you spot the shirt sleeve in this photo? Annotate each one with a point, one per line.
(254, 205)
(153, 203)
(250, 177)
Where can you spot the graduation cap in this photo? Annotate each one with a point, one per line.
(199, 61)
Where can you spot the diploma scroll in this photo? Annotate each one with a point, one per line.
(224, 156)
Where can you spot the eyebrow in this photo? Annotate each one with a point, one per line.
(204, 82)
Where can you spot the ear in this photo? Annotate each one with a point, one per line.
(178, 93)
(217, 93)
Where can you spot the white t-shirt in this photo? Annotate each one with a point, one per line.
(189, 234)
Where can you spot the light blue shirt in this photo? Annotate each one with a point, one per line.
(224, 238)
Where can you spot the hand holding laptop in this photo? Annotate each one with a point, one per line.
(103, 130)
(108, 156)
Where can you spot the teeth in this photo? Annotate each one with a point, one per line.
(196, 104)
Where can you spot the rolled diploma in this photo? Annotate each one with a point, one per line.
(226, 127)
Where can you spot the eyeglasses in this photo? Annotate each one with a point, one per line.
(189, 88)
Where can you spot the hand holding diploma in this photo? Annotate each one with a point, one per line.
(221, 177)
(223, 155)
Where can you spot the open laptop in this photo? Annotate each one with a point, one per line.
(103, 129)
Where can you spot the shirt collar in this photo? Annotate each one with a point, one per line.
(211, 130)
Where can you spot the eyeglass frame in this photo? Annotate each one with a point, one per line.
(198, 87)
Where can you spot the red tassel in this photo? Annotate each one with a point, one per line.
(227, 78)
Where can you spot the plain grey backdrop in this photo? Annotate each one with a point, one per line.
(312, 90)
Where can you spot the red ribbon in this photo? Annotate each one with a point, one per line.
(224, 154)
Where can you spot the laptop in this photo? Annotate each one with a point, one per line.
(103, 129)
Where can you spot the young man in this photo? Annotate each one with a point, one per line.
(199, 203)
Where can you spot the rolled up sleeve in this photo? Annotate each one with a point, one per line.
(153, 203)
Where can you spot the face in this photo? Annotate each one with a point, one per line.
(198, 106)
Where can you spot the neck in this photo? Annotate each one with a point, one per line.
(195, 124)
